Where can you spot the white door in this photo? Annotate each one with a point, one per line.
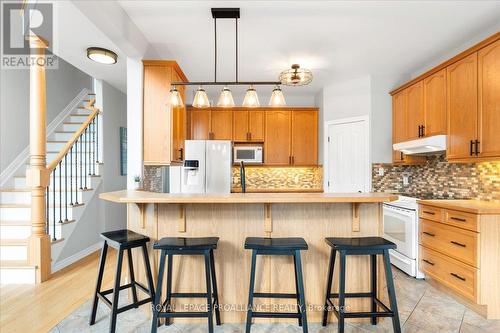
(347, 156)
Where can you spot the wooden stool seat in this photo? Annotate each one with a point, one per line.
(267, 243)
(360, 243)
(124, 238)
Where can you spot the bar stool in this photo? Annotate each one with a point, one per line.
(277, 246)
(371, 246)
(169, 247)
(122, 240)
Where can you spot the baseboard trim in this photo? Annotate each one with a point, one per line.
(20, 160)
(75, 257)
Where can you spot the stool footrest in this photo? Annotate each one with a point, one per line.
(183, 314)
(366, 314)
(351, 295)
(274, 295)
(276, 315)
(133, 305)
(189, 295)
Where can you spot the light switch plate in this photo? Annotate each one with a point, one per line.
(406, 180)
(381, 171)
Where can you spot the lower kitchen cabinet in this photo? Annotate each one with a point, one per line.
(460, 249)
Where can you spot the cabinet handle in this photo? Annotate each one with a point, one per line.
(249, 136)
(423, 130)
(430, 213)
(471, 148)
(477, 147)
(458, 219)
(458, 244)
(293, 159)
(457, 276)
(289, 159)
(181, 154)
(402, 156)
(429, 262)
(420, 131)
(428, 233)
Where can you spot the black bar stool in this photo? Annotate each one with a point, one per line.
(171, 246)
(371, 246)
(122, 240)
(277, 246)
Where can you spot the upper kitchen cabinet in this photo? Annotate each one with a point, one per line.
(248, 125)
(199, 124)
(221, 124)
(462, 108)
(434, 88)
(414, 111)
(164, 128)
(488, 60)
(399, 121)
(304, 137)
(277, 138)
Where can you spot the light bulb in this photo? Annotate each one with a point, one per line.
(226, 98)
(251, 99)
(201, 99)
(175, 98)
(277, 99)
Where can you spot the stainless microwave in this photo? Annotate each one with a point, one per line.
(248, 154)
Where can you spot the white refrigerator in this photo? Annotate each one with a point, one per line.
(207, 167)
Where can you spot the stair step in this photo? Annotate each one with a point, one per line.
(15, 264)
(56, 241)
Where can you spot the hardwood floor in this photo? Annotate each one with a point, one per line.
(38, 308)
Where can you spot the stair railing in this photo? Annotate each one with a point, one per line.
(70, 171)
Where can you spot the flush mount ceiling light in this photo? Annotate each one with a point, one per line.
(200, 100)
(226, 97)
(175, 98)
(251, 99)
(277, 99)
(296, 76)
(102, 56)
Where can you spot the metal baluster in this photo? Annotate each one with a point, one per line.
(93, 146)
(97, 136)
(87, 144)
(71, 176)
(65, 188)
(60, 191)
(47, 225)
(81, 166)
(85, 157)
(76, 172)
(54, 204)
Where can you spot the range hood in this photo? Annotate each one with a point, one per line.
(429, 145)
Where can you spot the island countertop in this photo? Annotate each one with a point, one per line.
(133, 196)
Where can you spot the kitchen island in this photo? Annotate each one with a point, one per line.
(235, 216)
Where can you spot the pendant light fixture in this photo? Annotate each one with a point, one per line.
(175, 98)
(226, 98)
(201, 99)
(251, 99)
(296, 76)
(277, 99)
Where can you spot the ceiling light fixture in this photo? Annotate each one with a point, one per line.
(200, 99)
(226, 98)
(102, 56)
(175, 98)
(277, 99)
(296, 76)
(251, 99)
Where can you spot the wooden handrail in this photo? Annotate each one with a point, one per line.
(76, 135)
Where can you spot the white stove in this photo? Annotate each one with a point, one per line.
(401, 228)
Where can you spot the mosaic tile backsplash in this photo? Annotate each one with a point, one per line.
(257, 178)
(441, 180)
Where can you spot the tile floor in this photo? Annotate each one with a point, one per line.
(422, 309)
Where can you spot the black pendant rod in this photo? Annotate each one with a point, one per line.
(236, 21)
(215, 48)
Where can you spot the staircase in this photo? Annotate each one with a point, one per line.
(73, 159)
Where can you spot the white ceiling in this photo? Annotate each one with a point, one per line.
(336, 39)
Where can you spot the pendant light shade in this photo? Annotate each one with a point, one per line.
(201, 99)
(277, 98)
(226, 98)
(251, 99)
(175, 98)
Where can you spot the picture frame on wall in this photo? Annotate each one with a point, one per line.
(123, 151)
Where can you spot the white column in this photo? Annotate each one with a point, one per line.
(134, 119)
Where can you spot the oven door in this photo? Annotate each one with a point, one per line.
(400, 228)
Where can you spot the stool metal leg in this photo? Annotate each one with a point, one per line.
(116, 291)
(102, 262)
(301, 291)
(209, 292)
(342, 273)
(373, 264)
(157, 301)
(297, 290)
(214, 286)
(392, 292)
(250, 292)
(132, 277)
(329, 281)
(149, 275)
(168, 300)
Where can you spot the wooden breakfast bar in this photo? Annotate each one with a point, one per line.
(235, 216)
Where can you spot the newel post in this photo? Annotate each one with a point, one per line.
(37, 175)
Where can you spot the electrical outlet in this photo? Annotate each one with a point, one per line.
(381, 171)
(406, 180)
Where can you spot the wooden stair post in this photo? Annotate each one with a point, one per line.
(37, 175)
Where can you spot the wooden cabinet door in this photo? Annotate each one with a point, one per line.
(435, 104)
(399, 117)
(178, 125)
(200, 124)
(397, 156)
(305, 137)
(157, 115)
(489, 100)
(277, 137)
(221, 124)
(240, 126)
(461, 78)
(414, 110)
(256, 125)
